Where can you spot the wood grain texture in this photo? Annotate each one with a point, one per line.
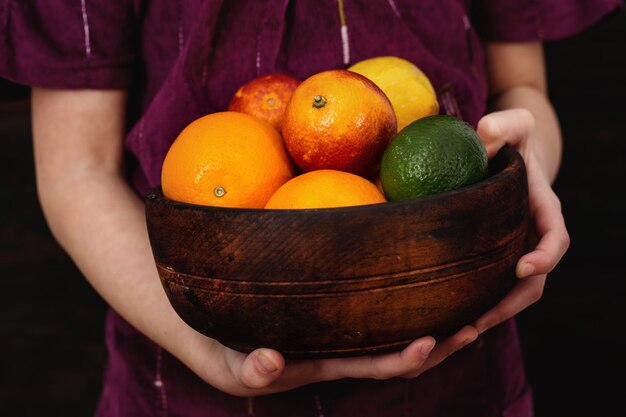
(346, 281)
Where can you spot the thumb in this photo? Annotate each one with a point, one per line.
(261, 368)
(505, 127)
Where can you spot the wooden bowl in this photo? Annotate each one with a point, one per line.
(344, 281)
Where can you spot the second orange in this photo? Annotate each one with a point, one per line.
(338, 120)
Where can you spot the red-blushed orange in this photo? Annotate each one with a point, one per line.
(265, 97)
(339, 120)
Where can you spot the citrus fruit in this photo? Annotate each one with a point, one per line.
(265, 97)
(325, 188)
(378, 183)
(340, 120)
(226, 159)
(432, 155)
(407, 87)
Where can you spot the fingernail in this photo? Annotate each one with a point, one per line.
(266, 365)
(524, 269)
(427, 347)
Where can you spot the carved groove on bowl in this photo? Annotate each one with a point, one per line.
(423, 276)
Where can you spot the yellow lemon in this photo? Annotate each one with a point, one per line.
(407, 87)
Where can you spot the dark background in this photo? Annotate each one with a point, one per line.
(51, 320)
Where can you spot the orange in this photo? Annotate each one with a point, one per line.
(338, 120)
(265, 97)
(379, 184)
(226, 159)
(325, 188)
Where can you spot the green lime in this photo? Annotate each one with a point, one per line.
(432, 155)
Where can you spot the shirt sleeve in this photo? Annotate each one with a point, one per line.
(68, 43)
(532, 20)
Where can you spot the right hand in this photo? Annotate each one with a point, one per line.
(265, 371)
(550, 239)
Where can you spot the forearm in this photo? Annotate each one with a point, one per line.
(96, 216)
(99, 222)
(517, 79)
(546, 137)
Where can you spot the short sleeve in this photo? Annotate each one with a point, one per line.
(68, 43)
(531, 20)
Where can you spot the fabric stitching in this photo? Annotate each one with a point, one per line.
(318, 406)
(251, 406)
(181, 35)
(394, 7)
(85, 17)
(159, 385)
(407, 392)
(343, 29)
(259, 41)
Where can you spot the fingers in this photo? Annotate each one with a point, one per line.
(259, 369)
(445, 348)
(263, 371)
(379, 366)
(421, 355)
(550, 226)
(548, 252)
(534, 266)
(505, 127)
(525, 293)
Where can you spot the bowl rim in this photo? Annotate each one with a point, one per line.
(507, 161)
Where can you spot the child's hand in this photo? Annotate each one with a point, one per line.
(550, 237)
(264, 371)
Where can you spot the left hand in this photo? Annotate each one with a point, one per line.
(551, 240)
(265, 371)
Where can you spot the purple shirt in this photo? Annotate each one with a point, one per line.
(182, 60)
